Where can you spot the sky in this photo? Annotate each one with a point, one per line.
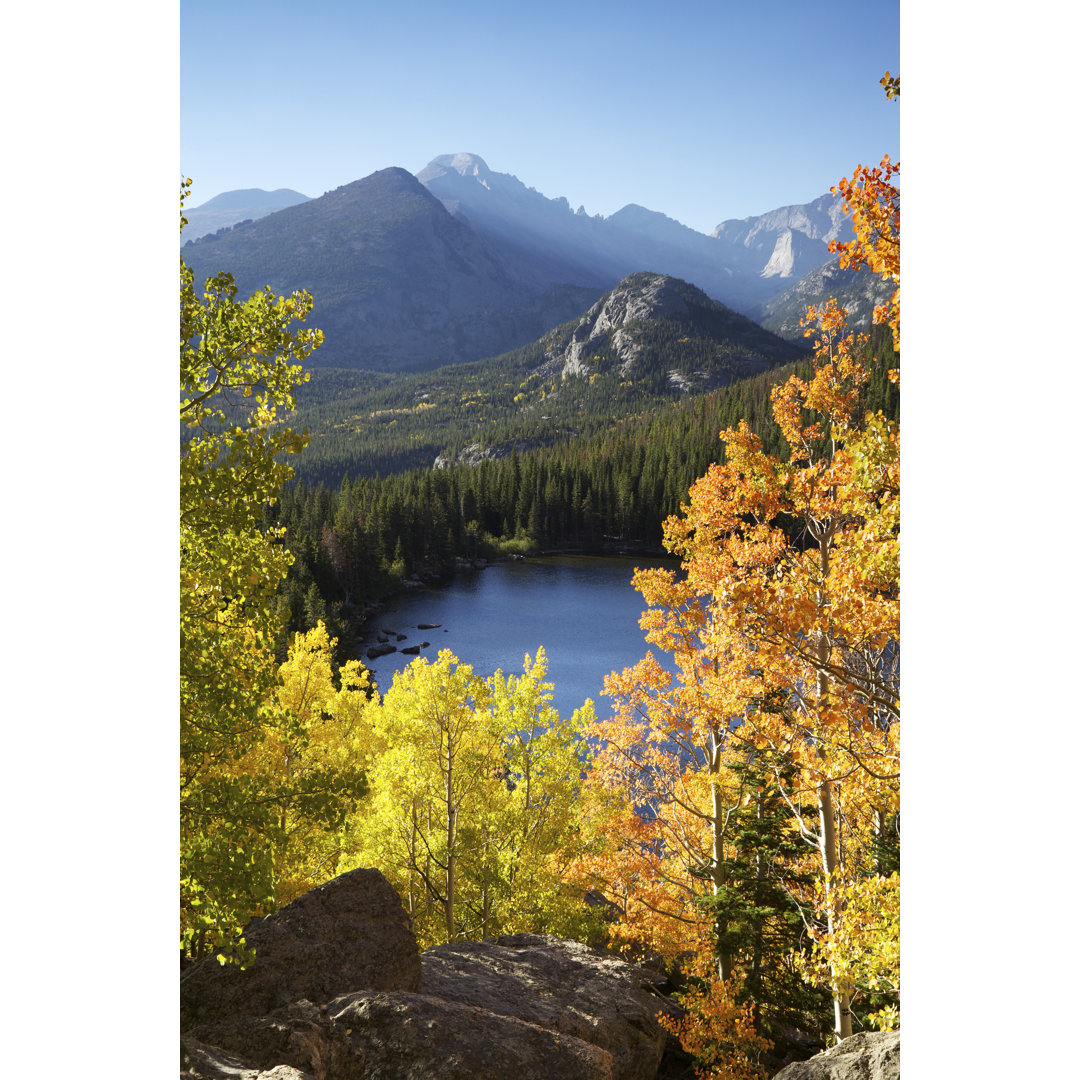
(703, 111)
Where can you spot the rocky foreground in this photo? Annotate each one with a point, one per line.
(338, 991)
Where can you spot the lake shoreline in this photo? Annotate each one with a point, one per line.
(622, 549)
(579, 605)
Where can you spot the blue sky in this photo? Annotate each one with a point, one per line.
(704, 111)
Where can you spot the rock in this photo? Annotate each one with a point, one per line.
(301, 1037)
(412, 650)
(870, 1055)
(418, 1037)
(563, 986)
(337, 991)
(428, 625)
(350, 934)
(380, 650)
(201, 1062)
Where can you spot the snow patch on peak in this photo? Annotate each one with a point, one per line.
(463, 164)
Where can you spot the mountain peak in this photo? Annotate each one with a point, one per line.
(463, 164)
(633, 327)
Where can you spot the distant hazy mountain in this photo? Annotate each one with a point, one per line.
(742, 264)
(399, 283)
(232, 207)
(791, 241)
(858, 291)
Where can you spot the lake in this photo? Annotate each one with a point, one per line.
(581, 608)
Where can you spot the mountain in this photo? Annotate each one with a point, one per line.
(858, 291)
(791, 241)
(742, 264)
(460, 262)
(399, 283)
(231, 207)
(500, 206)
(655, 329)
(650, 341)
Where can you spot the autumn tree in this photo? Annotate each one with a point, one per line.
(474, 788)
(533, 833)
(239, 364)
(692, 840)
(309, 761)
(789, 593)
(797, 559)
(660, 785)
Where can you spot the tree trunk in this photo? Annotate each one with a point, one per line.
(719, 869)
(451, 854)
(760, 872)
(830, 862)
(830, 848)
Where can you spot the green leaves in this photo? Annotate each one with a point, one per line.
(239, 362)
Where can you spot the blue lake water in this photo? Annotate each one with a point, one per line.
(581, 608)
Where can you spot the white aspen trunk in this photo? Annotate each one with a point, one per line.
(451, 830)
(528, 799)
(760, 871)
(719, 869)
(830, 850)
(412, 864)
(830, 863)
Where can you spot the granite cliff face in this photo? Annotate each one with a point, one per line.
(823, 219)
(651, 322)
(857, 291)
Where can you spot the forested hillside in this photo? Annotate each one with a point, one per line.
(651, 341)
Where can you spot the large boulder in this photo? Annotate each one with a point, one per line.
(350, 934)
(560, 985)
(337, 991)
(417, 1037)
(870, 1055)
(301, 1037)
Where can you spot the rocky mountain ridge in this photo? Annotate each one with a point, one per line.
(463, 263)
(623, 323)
(735, 265)
(651, 339)
(857, 291)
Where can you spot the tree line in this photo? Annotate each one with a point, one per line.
(355, 543)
